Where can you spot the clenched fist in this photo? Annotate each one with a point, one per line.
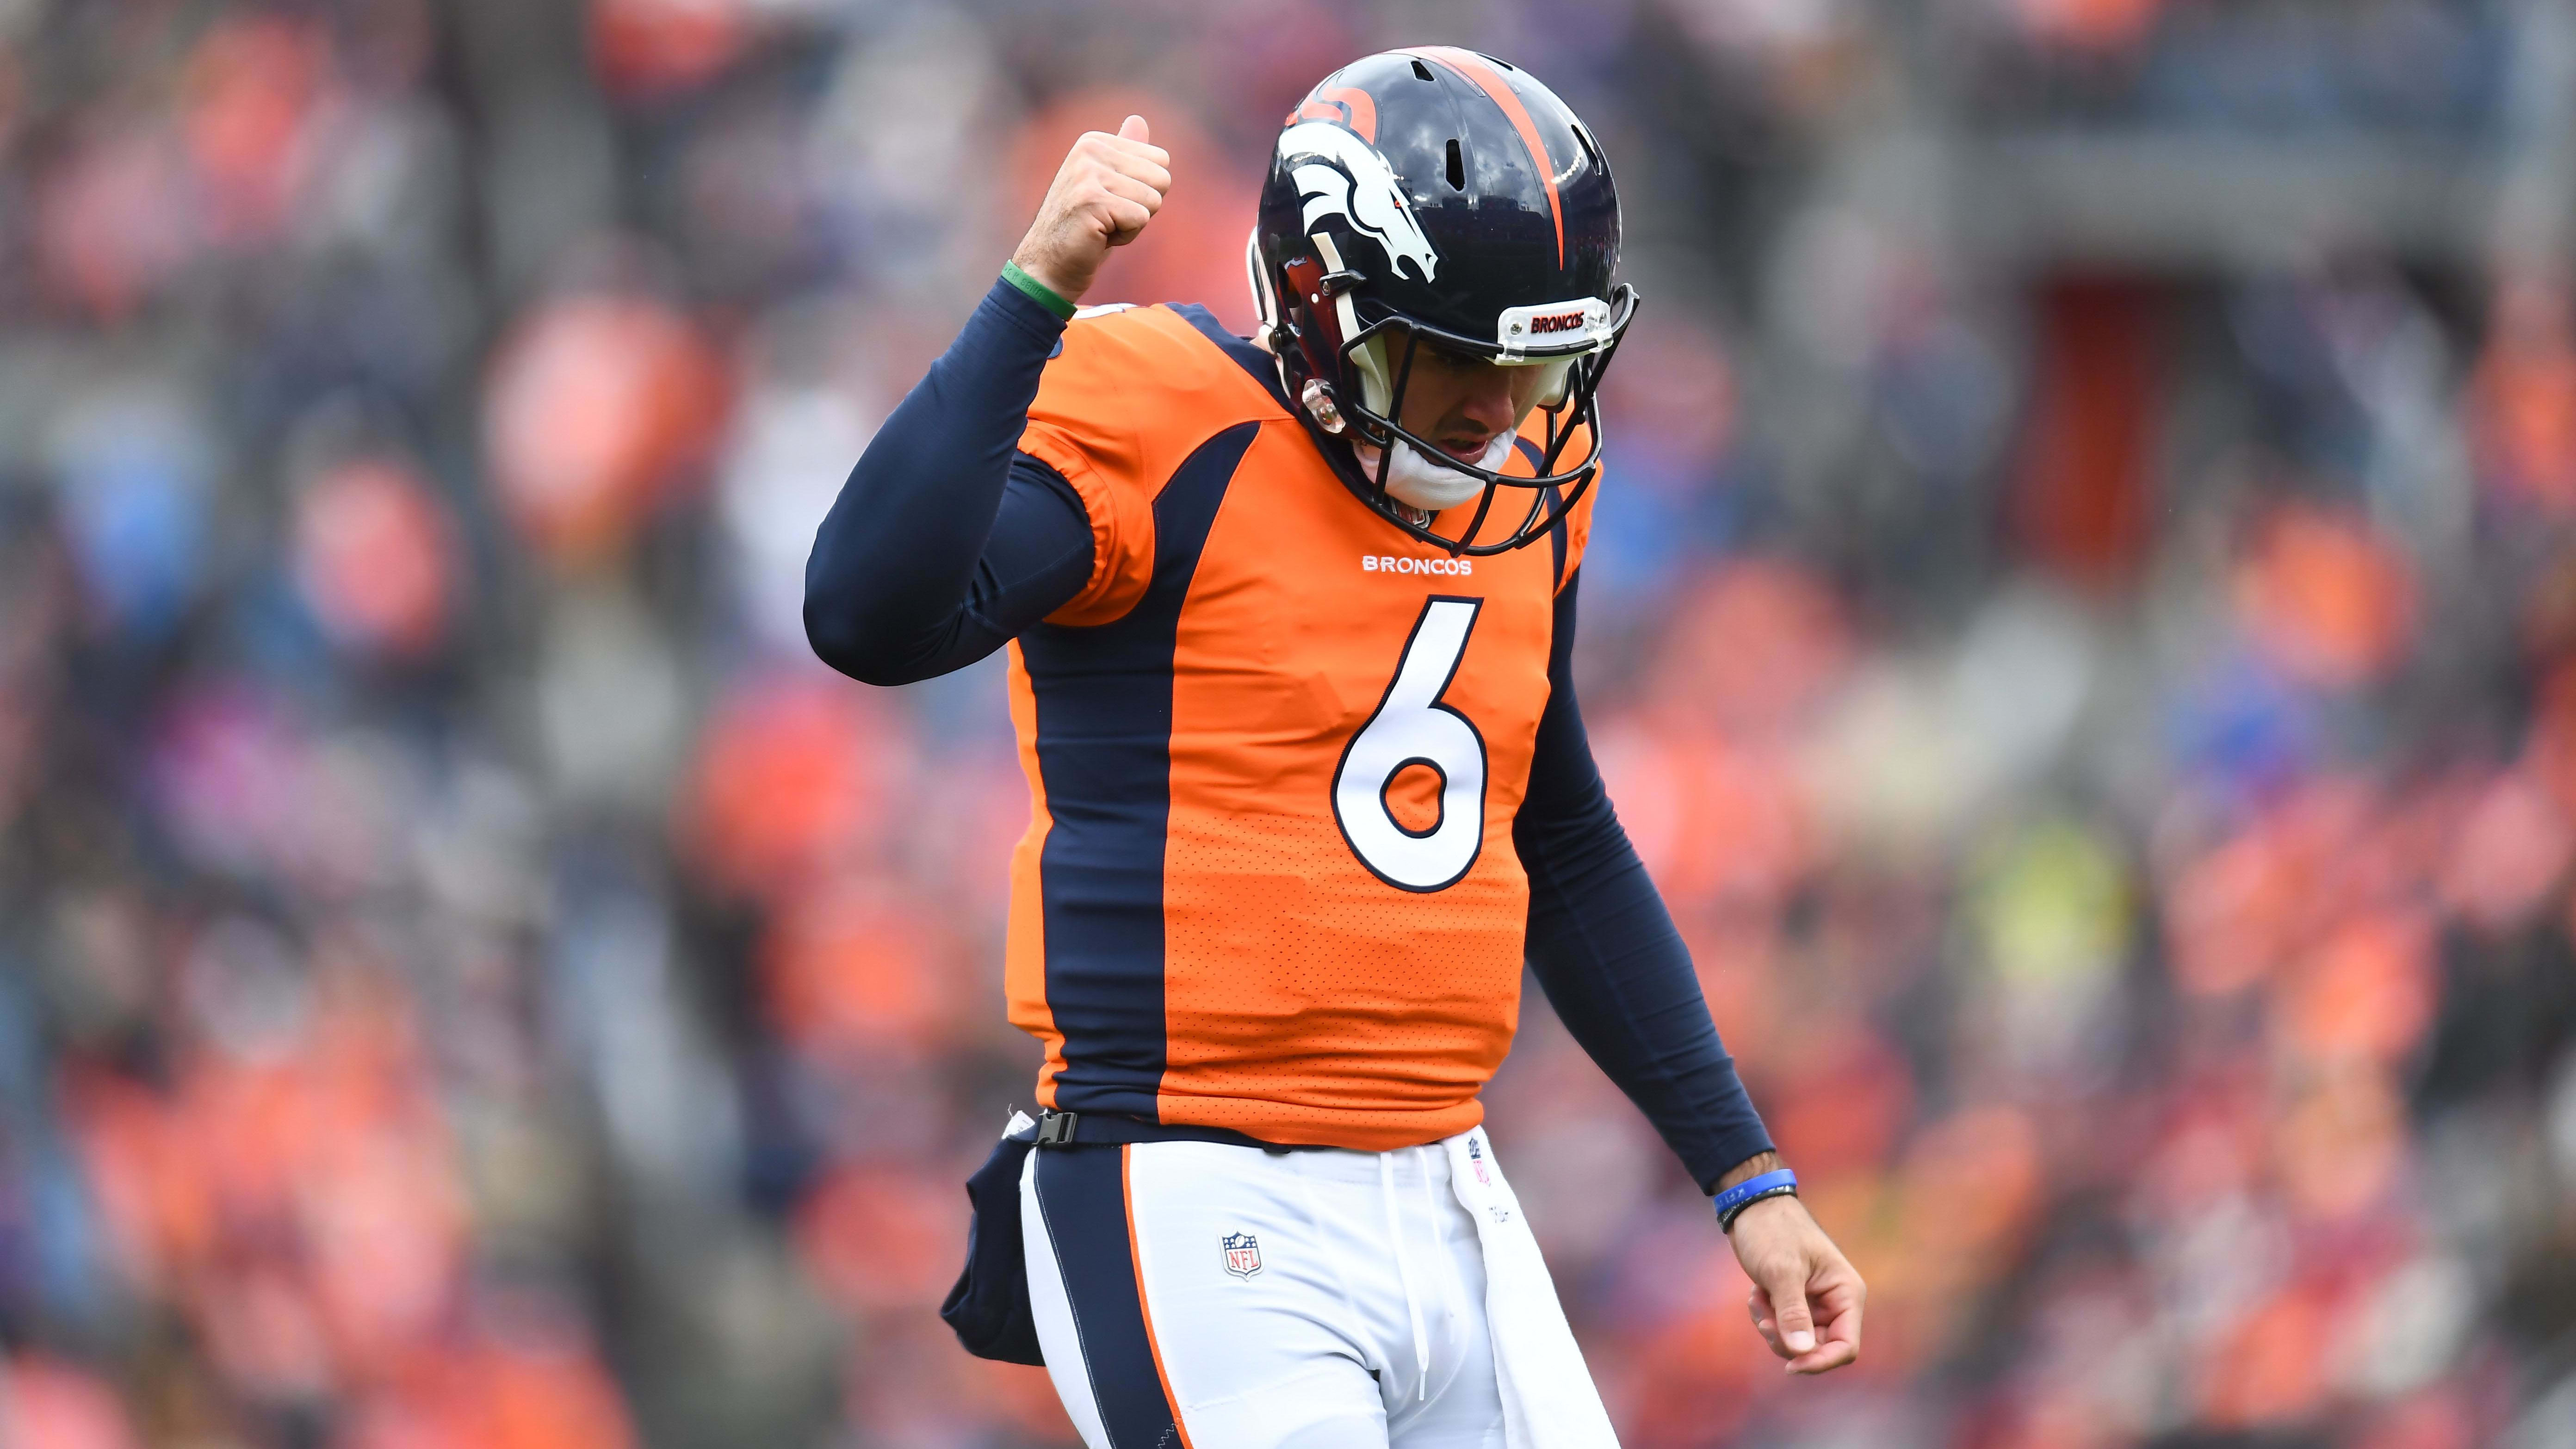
(1107, 189)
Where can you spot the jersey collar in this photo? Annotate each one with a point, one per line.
(1264, 369)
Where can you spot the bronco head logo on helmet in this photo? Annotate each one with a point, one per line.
(1347, 177)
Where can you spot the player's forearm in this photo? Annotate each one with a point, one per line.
(897, 555)
(1611, 962)
(1606, 951)
(1750, 1168)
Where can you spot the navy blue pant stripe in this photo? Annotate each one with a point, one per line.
(1083, 1193)
(1104, 746)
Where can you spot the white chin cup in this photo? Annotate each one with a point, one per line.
(1420, 483)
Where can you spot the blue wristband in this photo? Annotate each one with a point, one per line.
(1776, 1183)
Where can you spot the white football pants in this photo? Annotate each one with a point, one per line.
(1193, 1295)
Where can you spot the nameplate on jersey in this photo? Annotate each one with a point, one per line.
(1389, 563)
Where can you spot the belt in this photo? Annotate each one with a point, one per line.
(1070, 1129)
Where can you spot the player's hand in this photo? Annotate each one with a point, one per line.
(1806, 1296)
(1107, 189)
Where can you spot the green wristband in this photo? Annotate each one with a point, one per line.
(1039, 292)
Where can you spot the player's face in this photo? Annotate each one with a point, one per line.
(1463, 403)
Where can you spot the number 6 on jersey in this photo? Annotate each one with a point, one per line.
(1412, 727)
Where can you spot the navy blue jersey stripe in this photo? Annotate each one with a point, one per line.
(1264, 369)
(1556, 538)
(1082, 1192)
(1556, 535)
(1104, 746)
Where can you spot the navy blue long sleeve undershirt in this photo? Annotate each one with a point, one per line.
(1605, 949)
(946, 542)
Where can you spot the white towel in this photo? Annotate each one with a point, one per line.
(1548, 1398)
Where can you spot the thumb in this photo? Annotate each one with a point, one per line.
(1133, 129)
(1797, 1322)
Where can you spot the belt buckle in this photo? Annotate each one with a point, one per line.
(1056, 1128)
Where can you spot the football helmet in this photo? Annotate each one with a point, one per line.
(1437, 197)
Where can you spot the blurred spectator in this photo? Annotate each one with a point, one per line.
(2107, 727)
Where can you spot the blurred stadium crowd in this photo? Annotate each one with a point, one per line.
(2086, 643)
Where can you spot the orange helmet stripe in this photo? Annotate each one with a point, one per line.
(1471, 65)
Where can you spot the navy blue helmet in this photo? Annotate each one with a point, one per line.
(1438, 197)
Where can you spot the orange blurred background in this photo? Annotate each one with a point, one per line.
(2082, 627)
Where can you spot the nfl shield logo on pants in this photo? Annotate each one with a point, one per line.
(1242, 1254)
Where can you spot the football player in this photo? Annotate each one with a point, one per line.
(1288, 622)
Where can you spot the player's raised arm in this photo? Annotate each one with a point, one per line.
(945, 543)
(1107, 190)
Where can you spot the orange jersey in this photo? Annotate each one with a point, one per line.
(1274, 751)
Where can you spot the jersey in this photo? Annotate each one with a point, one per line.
(1274, 748)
